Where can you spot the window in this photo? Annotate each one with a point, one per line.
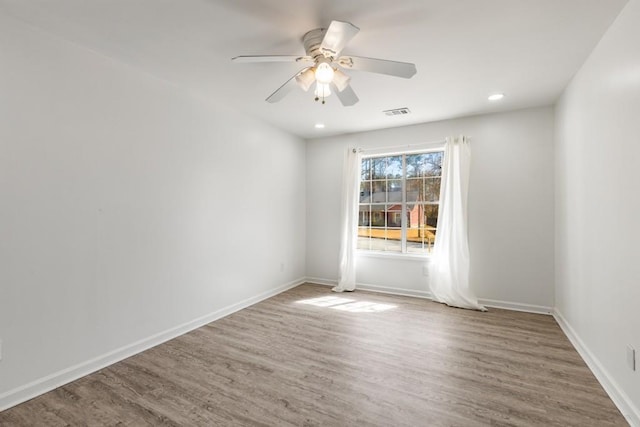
(398, 208)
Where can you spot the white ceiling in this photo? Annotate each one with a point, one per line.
(464, 50)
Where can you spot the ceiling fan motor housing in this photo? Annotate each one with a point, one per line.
(312, 41)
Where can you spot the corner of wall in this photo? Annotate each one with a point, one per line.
(627, 407)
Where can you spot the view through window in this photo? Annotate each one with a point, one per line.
(398, 209)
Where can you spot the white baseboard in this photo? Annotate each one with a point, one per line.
(630, 411)
(516, 306)
(65, 376)
(320, 281)
(395, 291)
(373, 288)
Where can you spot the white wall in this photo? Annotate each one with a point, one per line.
(510, 206)
(127, 207)
(598, 204)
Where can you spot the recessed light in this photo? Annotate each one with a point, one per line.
(319, 126)
(496, 97)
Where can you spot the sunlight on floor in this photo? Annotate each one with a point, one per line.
(346, 304)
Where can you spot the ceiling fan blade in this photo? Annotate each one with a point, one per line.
(347, 97)
(271, 58)
(283, 90)
(336, 37)
(381, 66)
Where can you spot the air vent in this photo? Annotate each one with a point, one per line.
(397, 112)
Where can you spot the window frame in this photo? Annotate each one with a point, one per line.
(403, 253)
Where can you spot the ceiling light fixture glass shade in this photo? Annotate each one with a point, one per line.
(322, 91)
(341, 80)
(496, 97)
(324, 73)
(306, 79)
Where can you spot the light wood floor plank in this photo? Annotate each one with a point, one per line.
(286, 363)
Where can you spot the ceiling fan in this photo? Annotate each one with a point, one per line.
(323, 64)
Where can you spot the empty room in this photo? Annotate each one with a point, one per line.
(319, 213)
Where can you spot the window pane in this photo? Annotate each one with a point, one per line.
(394, 167)
(379, 191)
(365, 169)
(431, 215)
(424, 164)
(378, 216)
(365, 192)
(378, 239)
(364, 242)
(415, 216)
(414, 165)
(432, 189)
(364, 216)
(421, 228)
(432, 164)
(394, 217)
(394, 190)
(415, 190)
(378, 167)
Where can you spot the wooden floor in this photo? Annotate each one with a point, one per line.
(305, 358)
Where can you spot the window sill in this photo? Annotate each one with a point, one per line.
(392, 255)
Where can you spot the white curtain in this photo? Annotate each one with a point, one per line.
(349, 217)
(449, 268)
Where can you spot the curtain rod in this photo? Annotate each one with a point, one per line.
(398, 147)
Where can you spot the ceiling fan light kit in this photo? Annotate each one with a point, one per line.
(341, 80)
(305, 79)
(323, 47)
(324, 73)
